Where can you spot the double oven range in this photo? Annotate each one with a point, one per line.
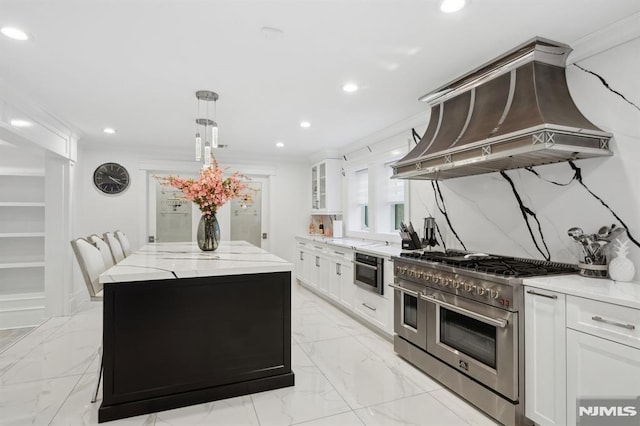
(459, 318)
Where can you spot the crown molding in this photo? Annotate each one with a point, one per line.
(606, 38)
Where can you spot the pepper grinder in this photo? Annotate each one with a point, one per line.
(430, 239)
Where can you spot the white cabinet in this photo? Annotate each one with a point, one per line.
(341, 287)
(599, 368)
(544, 344)
(371, 307)
(300, 263)
(577, 347)
(325, 187)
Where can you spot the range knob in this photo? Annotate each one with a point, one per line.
(494, 294)
(457, 284)
(447, 282)
(469, 287)
(480, 291)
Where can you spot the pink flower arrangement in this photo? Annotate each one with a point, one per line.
(211, 190)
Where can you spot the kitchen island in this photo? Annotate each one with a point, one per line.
(183, 327)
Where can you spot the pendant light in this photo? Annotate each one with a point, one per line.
(206, 127)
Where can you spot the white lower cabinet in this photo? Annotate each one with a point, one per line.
(544, 343)
(599, 368)
(577, 348)
(372, 307)
(347, 287)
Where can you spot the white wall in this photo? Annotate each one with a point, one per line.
(483, 208)
(96, 212)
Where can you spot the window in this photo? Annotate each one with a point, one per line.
(394, 199)
(362, 197)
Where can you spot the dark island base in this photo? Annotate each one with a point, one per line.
(137, 408)
(178, 342)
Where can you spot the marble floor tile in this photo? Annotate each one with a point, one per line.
(63, 353)
(357, 373)
(78, 409)
(345, 419)
(312, 397)
(35, 402)
(384, 349)
(11, 336)
(344, 321)
(312, 326)
(462, 408)
(422, 410)
(233, 411)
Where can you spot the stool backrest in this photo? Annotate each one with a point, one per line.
(91, 264)
(124, 243)
(114, 245)
(105, 251)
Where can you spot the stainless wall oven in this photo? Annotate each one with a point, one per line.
(368, 272)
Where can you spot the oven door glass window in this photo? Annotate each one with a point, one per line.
(468, 335)
(366, 275)
(410, 311)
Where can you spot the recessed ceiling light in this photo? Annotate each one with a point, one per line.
(305, 124)
(350, 87)
(20, 123)
(109, 130)
(14, 33)
(280, 144)
(451, 6)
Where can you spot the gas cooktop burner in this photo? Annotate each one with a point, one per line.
(493, 264)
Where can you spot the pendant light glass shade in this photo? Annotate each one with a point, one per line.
(207, 127)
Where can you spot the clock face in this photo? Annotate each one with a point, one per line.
(111, 178)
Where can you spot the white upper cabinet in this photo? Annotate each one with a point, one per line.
(325, 187)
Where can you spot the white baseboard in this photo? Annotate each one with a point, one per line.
(21, 310)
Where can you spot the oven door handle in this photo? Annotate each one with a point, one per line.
(406, 290)
(502, 323)
(366, 265)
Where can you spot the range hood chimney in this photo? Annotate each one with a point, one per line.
(513, 112)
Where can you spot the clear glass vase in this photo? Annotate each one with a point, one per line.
(208, 233)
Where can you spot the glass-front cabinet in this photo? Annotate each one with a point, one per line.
(325, 187)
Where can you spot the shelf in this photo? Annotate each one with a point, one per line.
(20, 204)
(21, 234)
(16, 265)
(14, 171)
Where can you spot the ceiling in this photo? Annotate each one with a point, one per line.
(135, 65)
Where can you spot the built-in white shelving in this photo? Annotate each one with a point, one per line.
(12, 265)
(20, 204)
(22, 236)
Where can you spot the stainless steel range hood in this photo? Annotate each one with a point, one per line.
(513, 112)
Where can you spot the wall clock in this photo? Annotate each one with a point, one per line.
(111, 178)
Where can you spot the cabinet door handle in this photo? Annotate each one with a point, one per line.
(317, 261)
(548, 296)
(319, 248)
(301, 255)
(617, 324)
(368, 306)
(338, 269)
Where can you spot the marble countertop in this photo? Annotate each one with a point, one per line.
(185, 260)
(379, 248)
(604, 290)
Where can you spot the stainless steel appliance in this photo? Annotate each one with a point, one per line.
(513, 112)
(458, 317)
(368, 271)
